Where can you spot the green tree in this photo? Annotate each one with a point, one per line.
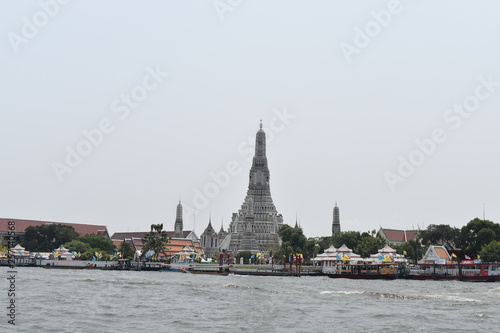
(485, 236)
(87, 255)
(155, 240)
(472, 238)
(98, 243)
(77, 246)
(311, 248)
(412, 250)
(126, 250)
(293, 241)
(324, 243)
(47, 237)
(245, 255)
(349, 238)
(294, 237)
(441, 234)
(490, 252)
(369, 245)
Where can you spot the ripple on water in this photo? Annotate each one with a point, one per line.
(342, 292)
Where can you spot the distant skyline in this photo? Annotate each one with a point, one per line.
(112, 112)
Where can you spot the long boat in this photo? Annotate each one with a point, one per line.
(64, 266)
(208, 269)
(467, 270)
(76, 264)
(387, 271)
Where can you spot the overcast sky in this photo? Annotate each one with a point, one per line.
(112, 111)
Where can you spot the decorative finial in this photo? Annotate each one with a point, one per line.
(261, 124)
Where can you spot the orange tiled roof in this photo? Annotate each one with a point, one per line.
(174, 246)
(441, 253)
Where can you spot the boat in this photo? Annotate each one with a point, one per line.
(433, 272)
(194, 271)
(208, 269)
(467, 270)
(64, 266)
(387, 271)
(479, 272)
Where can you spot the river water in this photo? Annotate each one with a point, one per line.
(116, 301)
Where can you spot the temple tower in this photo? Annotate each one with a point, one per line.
(336, 220)
(178, 226)
(255, 227)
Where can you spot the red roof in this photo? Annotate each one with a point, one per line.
(393, 235)
(82, 229)
(117, 243)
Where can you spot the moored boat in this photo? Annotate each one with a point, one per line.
(433, 272)
(467, 270)
(362, 271)
(64, 266)
(472, 271)
(208, 269)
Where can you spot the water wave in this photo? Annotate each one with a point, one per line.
(241, 287)
(141, 283)
(452, 298)
(342, 292)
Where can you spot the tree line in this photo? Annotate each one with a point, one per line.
(477, 239)
(47, 238)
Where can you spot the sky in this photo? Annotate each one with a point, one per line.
(111, 112)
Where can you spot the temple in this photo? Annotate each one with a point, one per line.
(180, 241)
(255, 226)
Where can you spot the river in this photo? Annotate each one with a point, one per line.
(129, 301)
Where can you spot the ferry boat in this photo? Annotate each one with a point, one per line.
(479, 272)
(362, 271)
(467, 270)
